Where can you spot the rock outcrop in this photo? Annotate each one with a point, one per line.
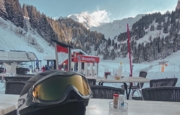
(178, 5)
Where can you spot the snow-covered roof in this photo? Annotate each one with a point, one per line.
(50, 58)
(17, 56)
(78, 51)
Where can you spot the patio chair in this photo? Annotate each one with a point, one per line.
(91, 81)
(14, 87)
(138, 87)
(162, 94)
(163, 82)
(17, 78)
(105, 92)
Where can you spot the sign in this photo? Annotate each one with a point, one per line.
(87, 59)
(163, 62)
(62, 53)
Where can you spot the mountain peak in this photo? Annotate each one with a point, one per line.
(84, 18)
(89, 20)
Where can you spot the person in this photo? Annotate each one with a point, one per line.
(43, 69)
(55, 92)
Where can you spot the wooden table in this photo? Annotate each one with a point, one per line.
(8, 103)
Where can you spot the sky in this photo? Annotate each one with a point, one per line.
(109, 9)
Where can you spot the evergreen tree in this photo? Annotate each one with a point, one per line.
(112, 42)
(152, 28)
(159, 27)
(109, 42)
(3, 12)
(165, 30)
(14, 12)
(24, 10)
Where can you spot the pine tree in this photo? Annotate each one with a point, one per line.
(152, 28)
(109, 42)
(34, 16)
(25, 12)
(3, 12)
(14, 12)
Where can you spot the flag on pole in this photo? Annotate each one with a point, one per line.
(129, 49)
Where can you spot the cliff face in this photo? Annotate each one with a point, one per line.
(178, 5)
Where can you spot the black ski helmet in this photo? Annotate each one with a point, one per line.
(67, 107)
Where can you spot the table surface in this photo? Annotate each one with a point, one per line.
(101, 107)
(9, 103)
(133, 79)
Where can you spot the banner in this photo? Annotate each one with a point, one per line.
(82, 58)
(62, 53)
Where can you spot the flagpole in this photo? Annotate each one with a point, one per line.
(129, 49)
(56, 54)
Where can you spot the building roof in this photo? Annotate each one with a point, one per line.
(17, 56)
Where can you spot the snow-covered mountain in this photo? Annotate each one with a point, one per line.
(112, 29)
(89, 20)
(85, 19)
(155, 33)
(109, 29)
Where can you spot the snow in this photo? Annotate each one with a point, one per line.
(153, 69)
(152, 34)
(11, 39)
(91, 19)
(15, 38)
(98, 21)
(112, 29)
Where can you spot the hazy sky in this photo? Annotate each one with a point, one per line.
(110, 9)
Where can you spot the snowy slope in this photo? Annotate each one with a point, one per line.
(153, 69)
(15, 38)
(10, 39)
(153, 34)
(116, 27)
(102, 25)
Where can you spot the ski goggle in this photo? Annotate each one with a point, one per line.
(57, 88)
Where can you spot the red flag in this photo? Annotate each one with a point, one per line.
(62, 55)
(129, 49)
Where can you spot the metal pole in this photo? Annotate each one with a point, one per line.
(56, 53)
(85, 69)
(97, 68)
(40, 65)
(91, 69)
(69, 59)
(31, 66)
(34, 66)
